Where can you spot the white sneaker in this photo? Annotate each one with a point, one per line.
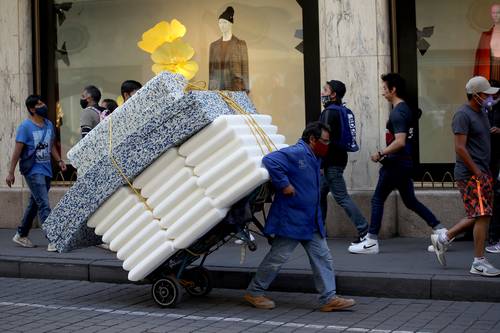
(430, 248)
(23, 241)
(493, 248)
(439, 248)
(366, 246)
(51, 247)
(484, 268)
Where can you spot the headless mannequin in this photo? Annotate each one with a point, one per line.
(495, 38)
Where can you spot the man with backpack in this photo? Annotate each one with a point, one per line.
(343, 126)
(397, 164)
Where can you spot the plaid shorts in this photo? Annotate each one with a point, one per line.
(477, 195)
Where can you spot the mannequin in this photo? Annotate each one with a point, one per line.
(228, 58)
(488, 51)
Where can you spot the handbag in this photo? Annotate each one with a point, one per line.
(26, 163)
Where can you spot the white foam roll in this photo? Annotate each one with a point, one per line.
(182, 176)
(116, 213)
(234, 119)
(215, 143)
(229, 163)
(146, 248)
(123, 222)
(196, 213)
(138, 240)
(131, 230)
(175, 197)
(227, 181)
(233, 145)
(184, 206)
(201, 137)
(158, 165)
(210, 145)
(152, 261)
(108, 206)
(201, 227)
(162, 177)
(242, 188)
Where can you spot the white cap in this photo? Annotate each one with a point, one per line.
(479, 84)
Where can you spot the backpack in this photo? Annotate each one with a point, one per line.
(347, 139)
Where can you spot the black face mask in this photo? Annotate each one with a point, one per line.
(84, 103)
(42, 111)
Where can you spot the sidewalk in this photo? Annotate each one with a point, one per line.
(403, 269)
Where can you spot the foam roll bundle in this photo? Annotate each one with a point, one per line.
(186, 192)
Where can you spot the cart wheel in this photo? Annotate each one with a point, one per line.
(252, 246)
(166, 292)
(202, 282)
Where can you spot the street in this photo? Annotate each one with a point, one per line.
(32, 305)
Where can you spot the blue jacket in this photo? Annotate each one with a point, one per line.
(299, 216)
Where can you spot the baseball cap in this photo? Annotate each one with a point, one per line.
(338, 87)
(479, 84)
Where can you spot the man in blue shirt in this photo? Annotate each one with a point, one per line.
(295, 218)
(35, 136)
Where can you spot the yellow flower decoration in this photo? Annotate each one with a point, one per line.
(163, 32)
(175, 57)
(120, 100)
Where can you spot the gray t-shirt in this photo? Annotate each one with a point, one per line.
(477, 128)
(89, 119)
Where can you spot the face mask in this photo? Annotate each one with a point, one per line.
(320, 149)
(84, 103)
(325, 100)
(486, 103)
(42, 111)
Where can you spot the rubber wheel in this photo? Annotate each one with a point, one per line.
(166, 292)
(202, 282)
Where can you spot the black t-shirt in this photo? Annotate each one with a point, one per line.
(336, 155)
(400, 121)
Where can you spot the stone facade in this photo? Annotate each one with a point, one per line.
(355, 48)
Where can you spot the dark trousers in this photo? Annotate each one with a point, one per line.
(494, 231)
(391, 178)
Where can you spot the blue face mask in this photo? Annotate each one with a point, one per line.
(42, 111)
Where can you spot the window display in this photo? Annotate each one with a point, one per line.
(237, 45)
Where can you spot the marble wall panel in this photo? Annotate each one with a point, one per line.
(25, 37)
(360, 75)
(349, 28)
(383, 27)
(9, 37)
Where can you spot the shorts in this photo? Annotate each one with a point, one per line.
(477, 195)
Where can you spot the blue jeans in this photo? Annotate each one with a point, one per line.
(38, 203)
(333, 182)
(397, 177)
(281, 250)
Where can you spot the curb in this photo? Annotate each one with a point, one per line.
(415, 286)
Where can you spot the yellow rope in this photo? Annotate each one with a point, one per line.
(120, 171)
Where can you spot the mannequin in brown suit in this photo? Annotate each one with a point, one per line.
(228, 58)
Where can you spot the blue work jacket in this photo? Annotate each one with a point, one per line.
(298, 216)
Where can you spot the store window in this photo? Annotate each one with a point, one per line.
(435, 50)
(97, 43)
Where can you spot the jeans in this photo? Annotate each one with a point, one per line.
(397, 177)
(281, 250)
(333, 181)
(38, 203)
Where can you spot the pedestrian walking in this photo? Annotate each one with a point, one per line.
(471, 128)
(494, 117)
(91, 114)
(343, 140)
(397, 164)
(295, 218)
(34, 149)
